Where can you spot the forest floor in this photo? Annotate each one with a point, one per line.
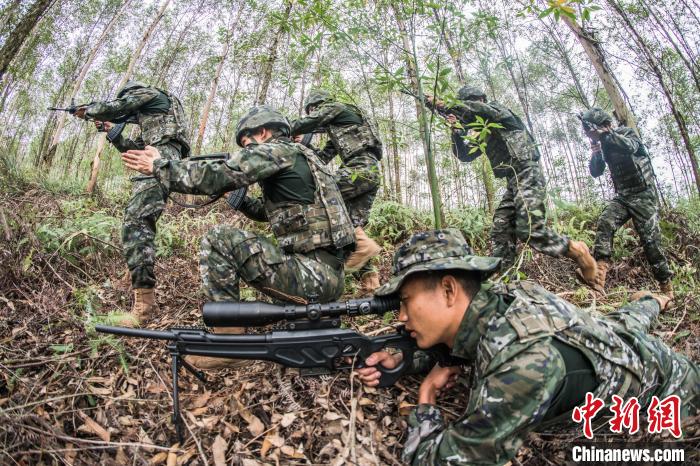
(71, 396)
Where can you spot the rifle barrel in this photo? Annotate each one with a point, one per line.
(136, 332)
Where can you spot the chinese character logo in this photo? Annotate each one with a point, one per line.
(587, 412)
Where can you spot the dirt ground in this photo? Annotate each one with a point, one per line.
(70, 396)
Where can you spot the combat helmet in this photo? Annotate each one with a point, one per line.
(597, 116)
(130, 84)
(470, 93)
(315, 97)
(257, 117)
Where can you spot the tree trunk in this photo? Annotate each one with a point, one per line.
(656, 69)
(410, 57)
(102, 141)
(215, 82)
(269, 65)
(19, 34)
(47, 158)
(394, 146)
(595, 54)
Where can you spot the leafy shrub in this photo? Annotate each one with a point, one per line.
(80, 232)
(473, 223)
(392, 222)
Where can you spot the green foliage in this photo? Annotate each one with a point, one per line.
(80, 232)
(473, 223)
(392, 222)
(689, 210)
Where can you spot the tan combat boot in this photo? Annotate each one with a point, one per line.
(667, 288)
(366, 248)
(579, 252)
(142, 309)
(208, 362)
(602, 266)
(369, 282)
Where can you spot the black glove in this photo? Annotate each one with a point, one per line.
(235, 198)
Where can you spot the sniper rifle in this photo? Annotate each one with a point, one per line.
(311, 340)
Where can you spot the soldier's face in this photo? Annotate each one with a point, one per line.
(424, 310)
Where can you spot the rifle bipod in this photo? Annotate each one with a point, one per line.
(178, 362)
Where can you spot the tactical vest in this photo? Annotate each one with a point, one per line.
(163, 127)
(511, 144)
(630, 173)
(535, 314)
(301, 228)
(351, 140)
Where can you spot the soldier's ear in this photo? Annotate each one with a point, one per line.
(449, 286)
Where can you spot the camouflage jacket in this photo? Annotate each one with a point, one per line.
(300, 197)
(508, 147)
(628, 160)
(507, 333)
(351, 135)
(159, 115)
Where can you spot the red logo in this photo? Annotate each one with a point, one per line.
(665, 415)
(587, 412)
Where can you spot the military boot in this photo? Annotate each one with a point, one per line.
(667, 288)
(369, 282)
(208, 362)
(365, 249)
(602, 265)
(144, 306)
(579, 252)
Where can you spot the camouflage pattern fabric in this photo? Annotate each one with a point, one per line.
(351, 138)
(229, 254)
(150, 106)
(142, 212)
(159, 115)
(311, 235)
(636, 199)
(643, 209)
(518, 371)
(507, 335)
(435, 250)
(521, 216)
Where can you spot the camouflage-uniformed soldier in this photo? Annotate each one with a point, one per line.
(635, 194)
(355, 141)
(162, 122)
(534, 355)
(299, 199)
(514, 156)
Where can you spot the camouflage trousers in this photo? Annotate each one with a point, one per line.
(666, 372)
(521, 216)
(643, 209)
(143, 210)
(358, 183)
(229, 254)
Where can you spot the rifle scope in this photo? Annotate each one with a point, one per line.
(242, 314)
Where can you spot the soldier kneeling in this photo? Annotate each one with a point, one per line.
(299, 199)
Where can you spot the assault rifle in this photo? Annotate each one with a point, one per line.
(587, 125)
(311, 339)
(71, 109)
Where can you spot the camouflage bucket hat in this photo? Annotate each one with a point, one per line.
(315, 97)
(129, 86)
(470, 93)
(435, 250)
(258, 117)
(597, 116)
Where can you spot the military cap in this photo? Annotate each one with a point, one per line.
(315, 97)
(258, 117)
(435, 250)
(130, 84)
(597, 116)
(470, 93)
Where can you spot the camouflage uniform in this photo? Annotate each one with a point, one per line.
(162, 125)
(534, 357)
(514, 156)
(355, 141)
(636, 197)
(299, 199)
